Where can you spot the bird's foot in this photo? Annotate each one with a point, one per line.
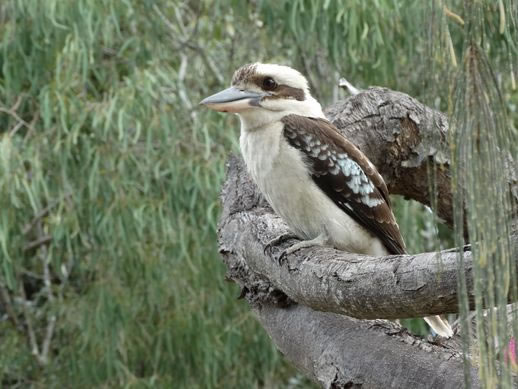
(275, 241)
(322, 240)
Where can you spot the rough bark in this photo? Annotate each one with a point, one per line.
(330, 280)
(406, 140)
(334, 350)
(341, 352)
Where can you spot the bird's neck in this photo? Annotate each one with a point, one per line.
(259, 119)
(260, 149)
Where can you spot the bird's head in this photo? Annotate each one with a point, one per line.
(263, 93)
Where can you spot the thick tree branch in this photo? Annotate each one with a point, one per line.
(340, 352)
(406, 141)
(334, 350)
(330, 280)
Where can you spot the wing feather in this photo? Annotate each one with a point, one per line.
(346, 176)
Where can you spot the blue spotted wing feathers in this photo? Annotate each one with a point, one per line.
(346, 176)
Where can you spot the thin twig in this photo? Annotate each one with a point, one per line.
(45, 259)
(15, 115)
(16, 128)
(41, 214)
(44, 358)
(12, 112)
(343, 83)
(28, 321)
(5, 299)
(41, 241)
(31, 124)
(17, 103)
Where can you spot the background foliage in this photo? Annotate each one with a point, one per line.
(110, 172)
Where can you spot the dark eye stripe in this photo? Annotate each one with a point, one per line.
(285, 91)
(281, 91)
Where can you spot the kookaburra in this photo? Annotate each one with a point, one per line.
(321, 184)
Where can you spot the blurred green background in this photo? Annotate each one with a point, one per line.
(110, 173)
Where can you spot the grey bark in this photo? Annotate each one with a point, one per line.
(330, 280)
(341, 352)
(405, 140)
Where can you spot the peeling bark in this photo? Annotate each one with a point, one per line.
(405, 140)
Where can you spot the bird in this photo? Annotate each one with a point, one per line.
(324, 188)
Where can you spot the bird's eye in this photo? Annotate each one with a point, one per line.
(269, 83)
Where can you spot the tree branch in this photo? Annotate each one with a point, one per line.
(341, 352)
(405, 140)
(330, 280)
(334, 350)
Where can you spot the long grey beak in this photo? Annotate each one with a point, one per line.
(232, 100)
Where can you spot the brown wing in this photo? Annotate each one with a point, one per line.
(346, 176)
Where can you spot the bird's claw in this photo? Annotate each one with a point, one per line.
(283, 256)
(268, 248)
(275, 241)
